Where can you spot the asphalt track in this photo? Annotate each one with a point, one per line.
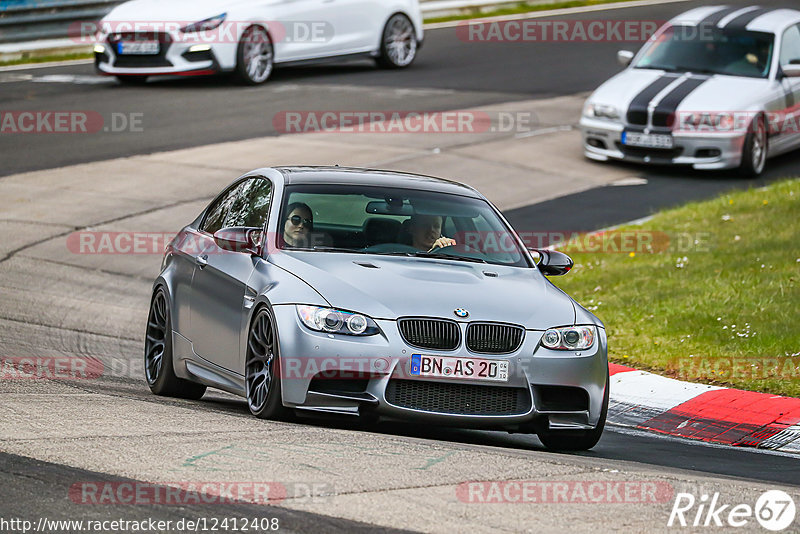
(183, 113)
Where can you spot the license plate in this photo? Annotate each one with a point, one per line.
(647, 140)
(138, 47)
(464, 368)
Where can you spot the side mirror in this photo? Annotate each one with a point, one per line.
(624, 57)
(553, 262)
(240, 239)
(791, 70)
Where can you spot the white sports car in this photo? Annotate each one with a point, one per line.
(715, 88)
(144, 38)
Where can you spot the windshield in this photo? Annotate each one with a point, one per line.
(395, 222)
(710, 51)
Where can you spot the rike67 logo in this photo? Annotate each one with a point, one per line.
(774, 510)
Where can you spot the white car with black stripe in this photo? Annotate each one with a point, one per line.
(717, 87)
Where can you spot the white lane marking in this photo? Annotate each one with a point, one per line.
(12, 78)
(630, 180)
(27, 66)
(73, 78)
(551, 13)
(653, 391)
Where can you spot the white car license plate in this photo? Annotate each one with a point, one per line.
(138, 47)
(465, 368)
(647, 140)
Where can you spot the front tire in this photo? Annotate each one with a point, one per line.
(158, 367)
(398, 43)
(754, 151)
(577, 440)
(254, 57)
(262, 369)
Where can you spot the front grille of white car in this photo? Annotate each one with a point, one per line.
(460, 399)
(494, 338)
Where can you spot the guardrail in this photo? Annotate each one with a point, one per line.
(32, 20)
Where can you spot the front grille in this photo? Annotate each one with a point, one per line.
(461, 399)
(493, 338)
(637, 117)
(143, 60)
(439, 334)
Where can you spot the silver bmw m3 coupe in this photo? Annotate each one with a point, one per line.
(379, 295)
(717, 87)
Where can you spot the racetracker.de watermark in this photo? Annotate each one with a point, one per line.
(743, 368)
(69, 122)
(557, 31)
(605, 242)
(50, 368)
(190, 31)
(565, 492)
(404, 121)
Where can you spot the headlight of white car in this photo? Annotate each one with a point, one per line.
(570, 338)
(205, 25)
(333, 321)
(600, 111)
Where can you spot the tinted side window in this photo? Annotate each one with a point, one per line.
(790, 48)
(218, 212)
(251, 206)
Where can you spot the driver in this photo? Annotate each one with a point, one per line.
(426, 232)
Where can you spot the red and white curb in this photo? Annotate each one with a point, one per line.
(715, 414)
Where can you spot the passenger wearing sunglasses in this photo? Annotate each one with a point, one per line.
(298, 225)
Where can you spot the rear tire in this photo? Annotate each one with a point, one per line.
(398, 43)
(577, 440)
(254, 57)
(158, 367)
(262, 369)
(132, 80)
(754, 151)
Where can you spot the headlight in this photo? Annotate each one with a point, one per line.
(570, 338)
(204, 25)
(333, 321)
(600, 111)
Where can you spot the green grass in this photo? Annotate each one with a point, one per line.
(523, 7)
(46, 59)
(720, 305)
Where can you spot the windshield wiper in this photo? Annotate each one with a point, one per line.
(422, 254)
(328, 249)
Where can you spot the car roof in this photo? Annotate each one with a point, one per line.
(384, 178)
(770, 20)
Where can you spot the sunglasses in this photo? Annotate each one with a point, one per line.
(296, 220)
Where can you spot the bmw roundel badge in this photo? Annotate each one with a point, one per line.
(461, 312)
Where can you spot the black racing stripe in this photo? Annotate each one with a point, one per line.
(664, 114)
(713, 19)
(637, 110)
(741, 22)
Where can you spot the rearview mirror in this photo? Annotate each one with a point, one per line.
(791, 71)
(553, 262)
(624, 57)
(239, 239)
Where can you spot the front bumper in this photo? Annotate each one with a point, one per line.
(174, 58)
(602, 141)
(364, 374)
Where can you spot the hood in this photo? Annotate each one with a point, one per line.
(171, 10)
(392, 287)
(717, 93)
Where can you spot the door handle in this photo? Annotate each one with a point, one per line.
(202, 261)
